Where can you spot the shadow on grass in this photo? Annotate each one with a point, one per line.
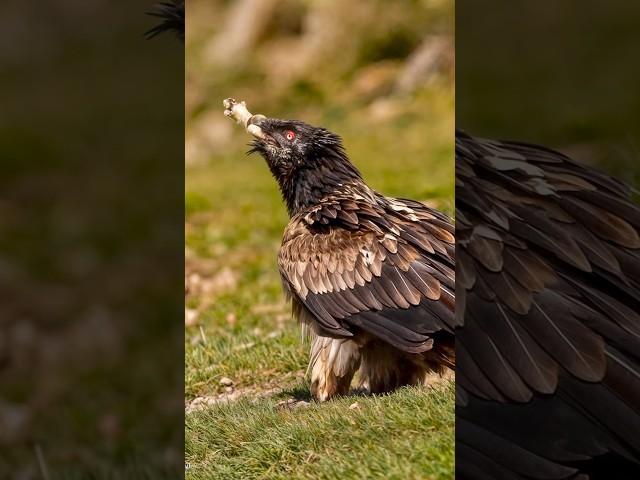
(302, 393)
(299, 393)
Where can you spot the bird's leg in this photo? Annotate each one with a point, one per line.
(238, 111)
(333, 363)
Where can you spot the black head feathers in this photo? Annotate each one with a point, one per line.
(308, 162)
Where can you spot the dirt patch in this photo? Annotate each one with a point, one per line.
(203, 402)
(232, 393)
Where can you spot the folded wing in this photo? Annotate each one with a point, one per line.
(381, 265)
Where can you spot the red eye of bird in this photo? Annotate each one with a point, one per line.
(290, 135)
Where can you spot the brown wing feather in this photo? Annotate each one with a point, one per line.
(382, 265)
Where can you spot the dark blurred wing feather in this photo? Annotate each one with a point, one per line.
(548, 294)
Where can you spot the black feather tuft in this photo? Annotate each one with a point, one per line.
(172, 15)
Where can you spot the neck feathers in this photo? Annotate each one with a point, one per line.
(306, 185)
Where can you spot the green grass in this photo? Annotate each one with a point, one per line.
(406, 435)
(243, 329)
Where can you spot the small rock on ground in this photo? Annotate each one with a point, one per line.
(226, 381)
(292, 404)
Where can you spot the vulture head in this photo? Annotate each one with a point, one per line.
(307, 162)
(291, 144)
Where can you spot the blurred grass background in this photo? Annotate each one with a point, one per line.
(91, 143)
(378, 73)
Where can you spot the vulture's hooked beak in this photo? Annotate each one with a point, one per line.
(238, 111)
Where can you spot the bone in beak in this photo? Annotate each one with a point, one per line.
(238, 111)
